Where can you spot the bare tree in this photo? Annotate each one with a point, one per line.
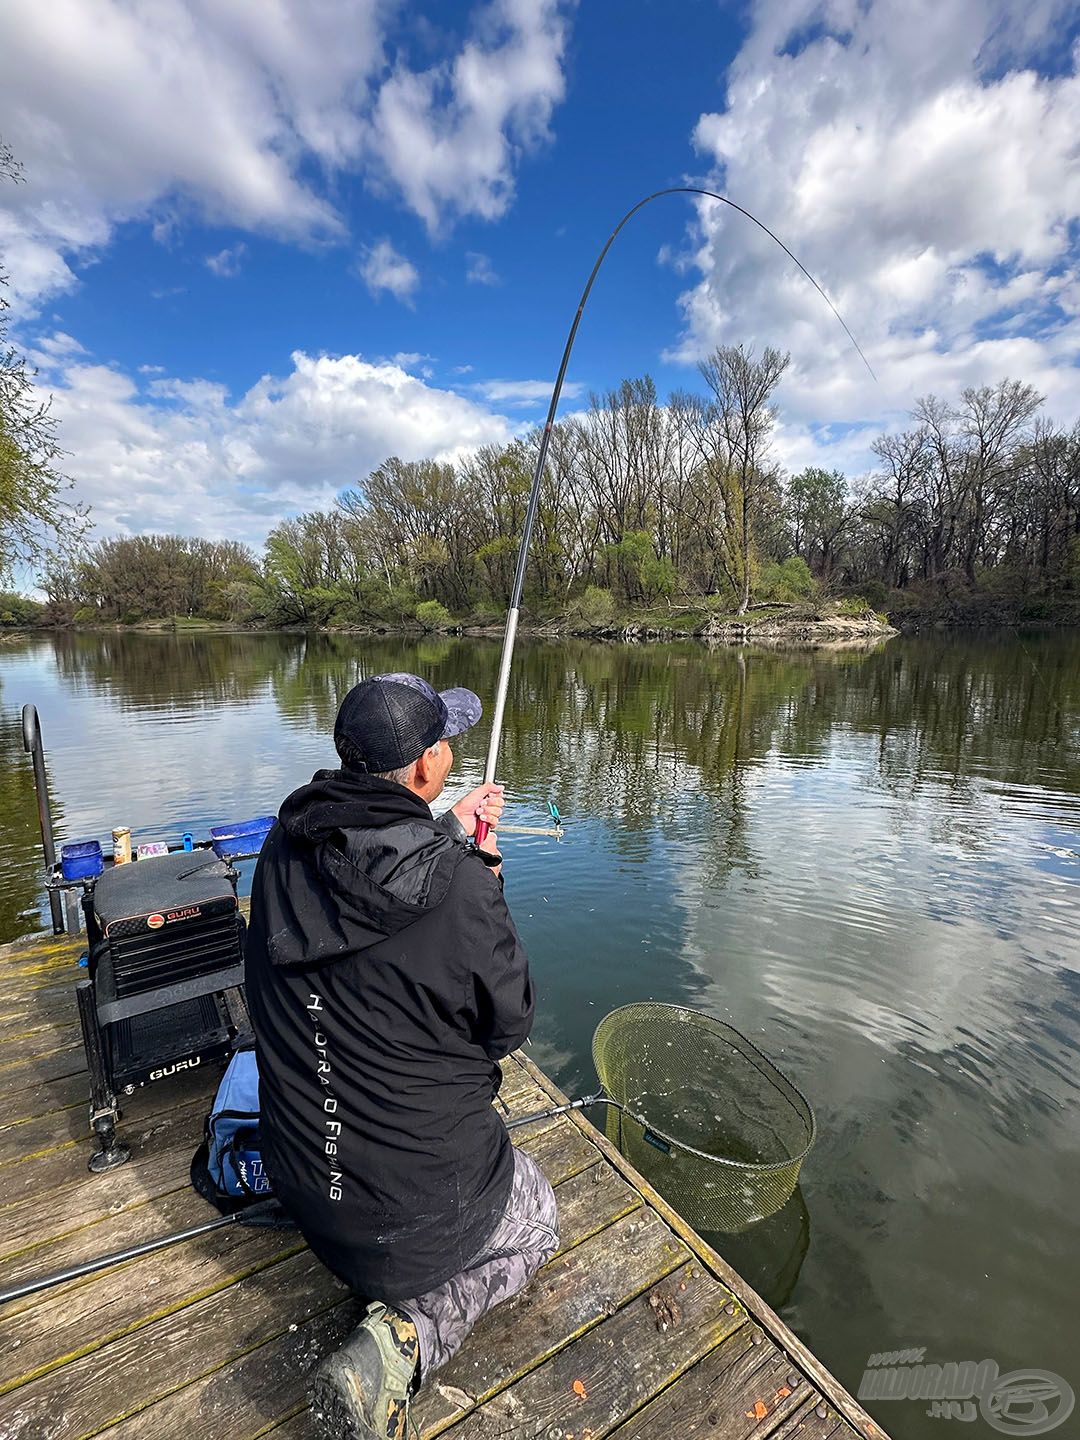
(742, 388)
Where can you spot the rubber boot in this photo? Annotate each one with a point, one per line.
(362, 1391)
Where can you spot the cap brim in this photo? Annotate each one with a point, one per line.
(463, 710)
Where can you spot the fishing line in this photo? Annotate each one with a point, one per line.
(513, 613)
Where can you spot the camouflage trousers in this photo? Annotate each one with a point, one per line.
(524, 1238)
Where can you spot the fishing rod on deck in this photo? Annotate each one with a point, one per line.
(514, 612)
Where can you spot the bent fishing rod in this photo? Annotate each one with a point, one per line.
(513, 613)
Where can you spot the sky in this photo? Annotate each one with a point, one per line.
(262, 245)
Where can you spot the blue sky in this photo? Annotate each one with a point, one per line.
(263, 245)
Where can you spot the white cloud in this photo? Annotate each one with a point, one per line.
(159, 112)
(382, 268)
(479, 269)
(925, 175)
(521, 393)
(226, 263)
(184, 456)
(448, 137)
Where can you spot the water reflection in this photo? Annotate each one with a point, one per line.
(770, 1255)
(867, 862)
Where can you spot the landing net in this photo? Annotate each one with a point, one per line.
(705, 1117)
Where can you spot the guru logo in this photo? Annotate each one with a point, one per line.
(155, 922)
(167, 1070)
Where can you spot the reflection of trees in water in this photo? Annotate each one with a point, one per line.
(21, 863)
(184, 668)
(634, 733)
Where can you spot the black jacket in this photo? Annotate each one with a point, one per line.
(385, 980)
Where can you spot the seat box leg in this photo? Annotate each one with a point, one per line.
(104, 1110)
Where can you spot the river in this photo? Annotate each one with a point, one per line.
(867, 861)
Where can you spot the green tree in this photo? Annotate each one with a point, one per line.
(35, 518)
(819, 512)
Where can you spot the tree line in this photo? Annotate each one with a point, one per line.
(644, 503)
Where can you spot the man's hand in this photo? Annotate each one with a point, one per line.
(483, 803)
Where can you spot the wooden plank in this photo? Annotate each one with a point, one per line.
(263, 1385)
(132, 1225)
(82, 1317)
(817, 1420)
(100, 1388)
(560, 1149)
(39, 1175)
(618, 1365)
(51, 1064)
(573, 1292)
(45, 1005)
(72, 1125)
(45, 1097)
(826, 1382)
(43, 1217)
(721, 1397)
(72, 1198)
(86, 1313)
(28, 1035)
(244, 1399)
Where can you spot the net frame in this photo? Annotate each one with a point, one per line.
(719, 1192)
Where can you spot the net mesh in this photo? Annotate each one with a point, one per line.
(709, 1121)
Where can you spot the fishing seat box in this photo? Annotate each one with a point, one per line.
(166, 940)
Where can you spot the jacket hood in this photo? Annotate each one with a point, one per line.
(337, 800)
(360, 859)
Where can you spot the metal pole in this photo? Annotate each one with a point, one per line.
(582, 1104)
(510, 633)
(133, 1252)
(32, 743)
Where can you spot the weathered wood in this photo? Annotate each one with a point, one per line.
(618, 1365)
(560, 1149)
(99, 1388)
(720, 1397)
(46, 1097)
(132, 1225)
(572, 1293)
(42, 1217)
(27, 1035)
(52, 1004)
(241, 1399)
(220, 1335)
(60, 1127)
(52, 1064)
(817, 1420)
(244, 1399)
(42, 1174)
(827, 1383)
(86, 1315)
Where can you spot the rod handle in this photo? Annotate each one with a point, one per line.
(482, 831)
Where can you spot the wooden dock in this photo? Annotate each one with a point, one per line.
(636, 1329)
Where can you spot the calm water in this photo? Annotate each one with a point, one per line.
(869, 863)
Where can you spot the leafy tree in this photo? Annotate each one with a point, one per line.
(34, 515)
(433, 615)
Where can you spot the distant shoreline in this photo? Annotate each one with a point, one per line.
(798, 625)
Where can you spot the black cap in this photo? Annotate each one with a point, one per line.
(388, 721)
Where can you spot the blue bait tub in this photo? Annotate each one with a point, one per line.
(81, 860)
(243, 837)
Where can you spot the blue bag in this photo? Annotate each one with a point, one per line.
(234, 1156)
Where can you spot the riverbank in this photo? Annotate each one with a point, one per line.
(832, 622)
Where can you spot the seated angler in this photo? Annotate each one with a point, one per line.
(385, 981)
